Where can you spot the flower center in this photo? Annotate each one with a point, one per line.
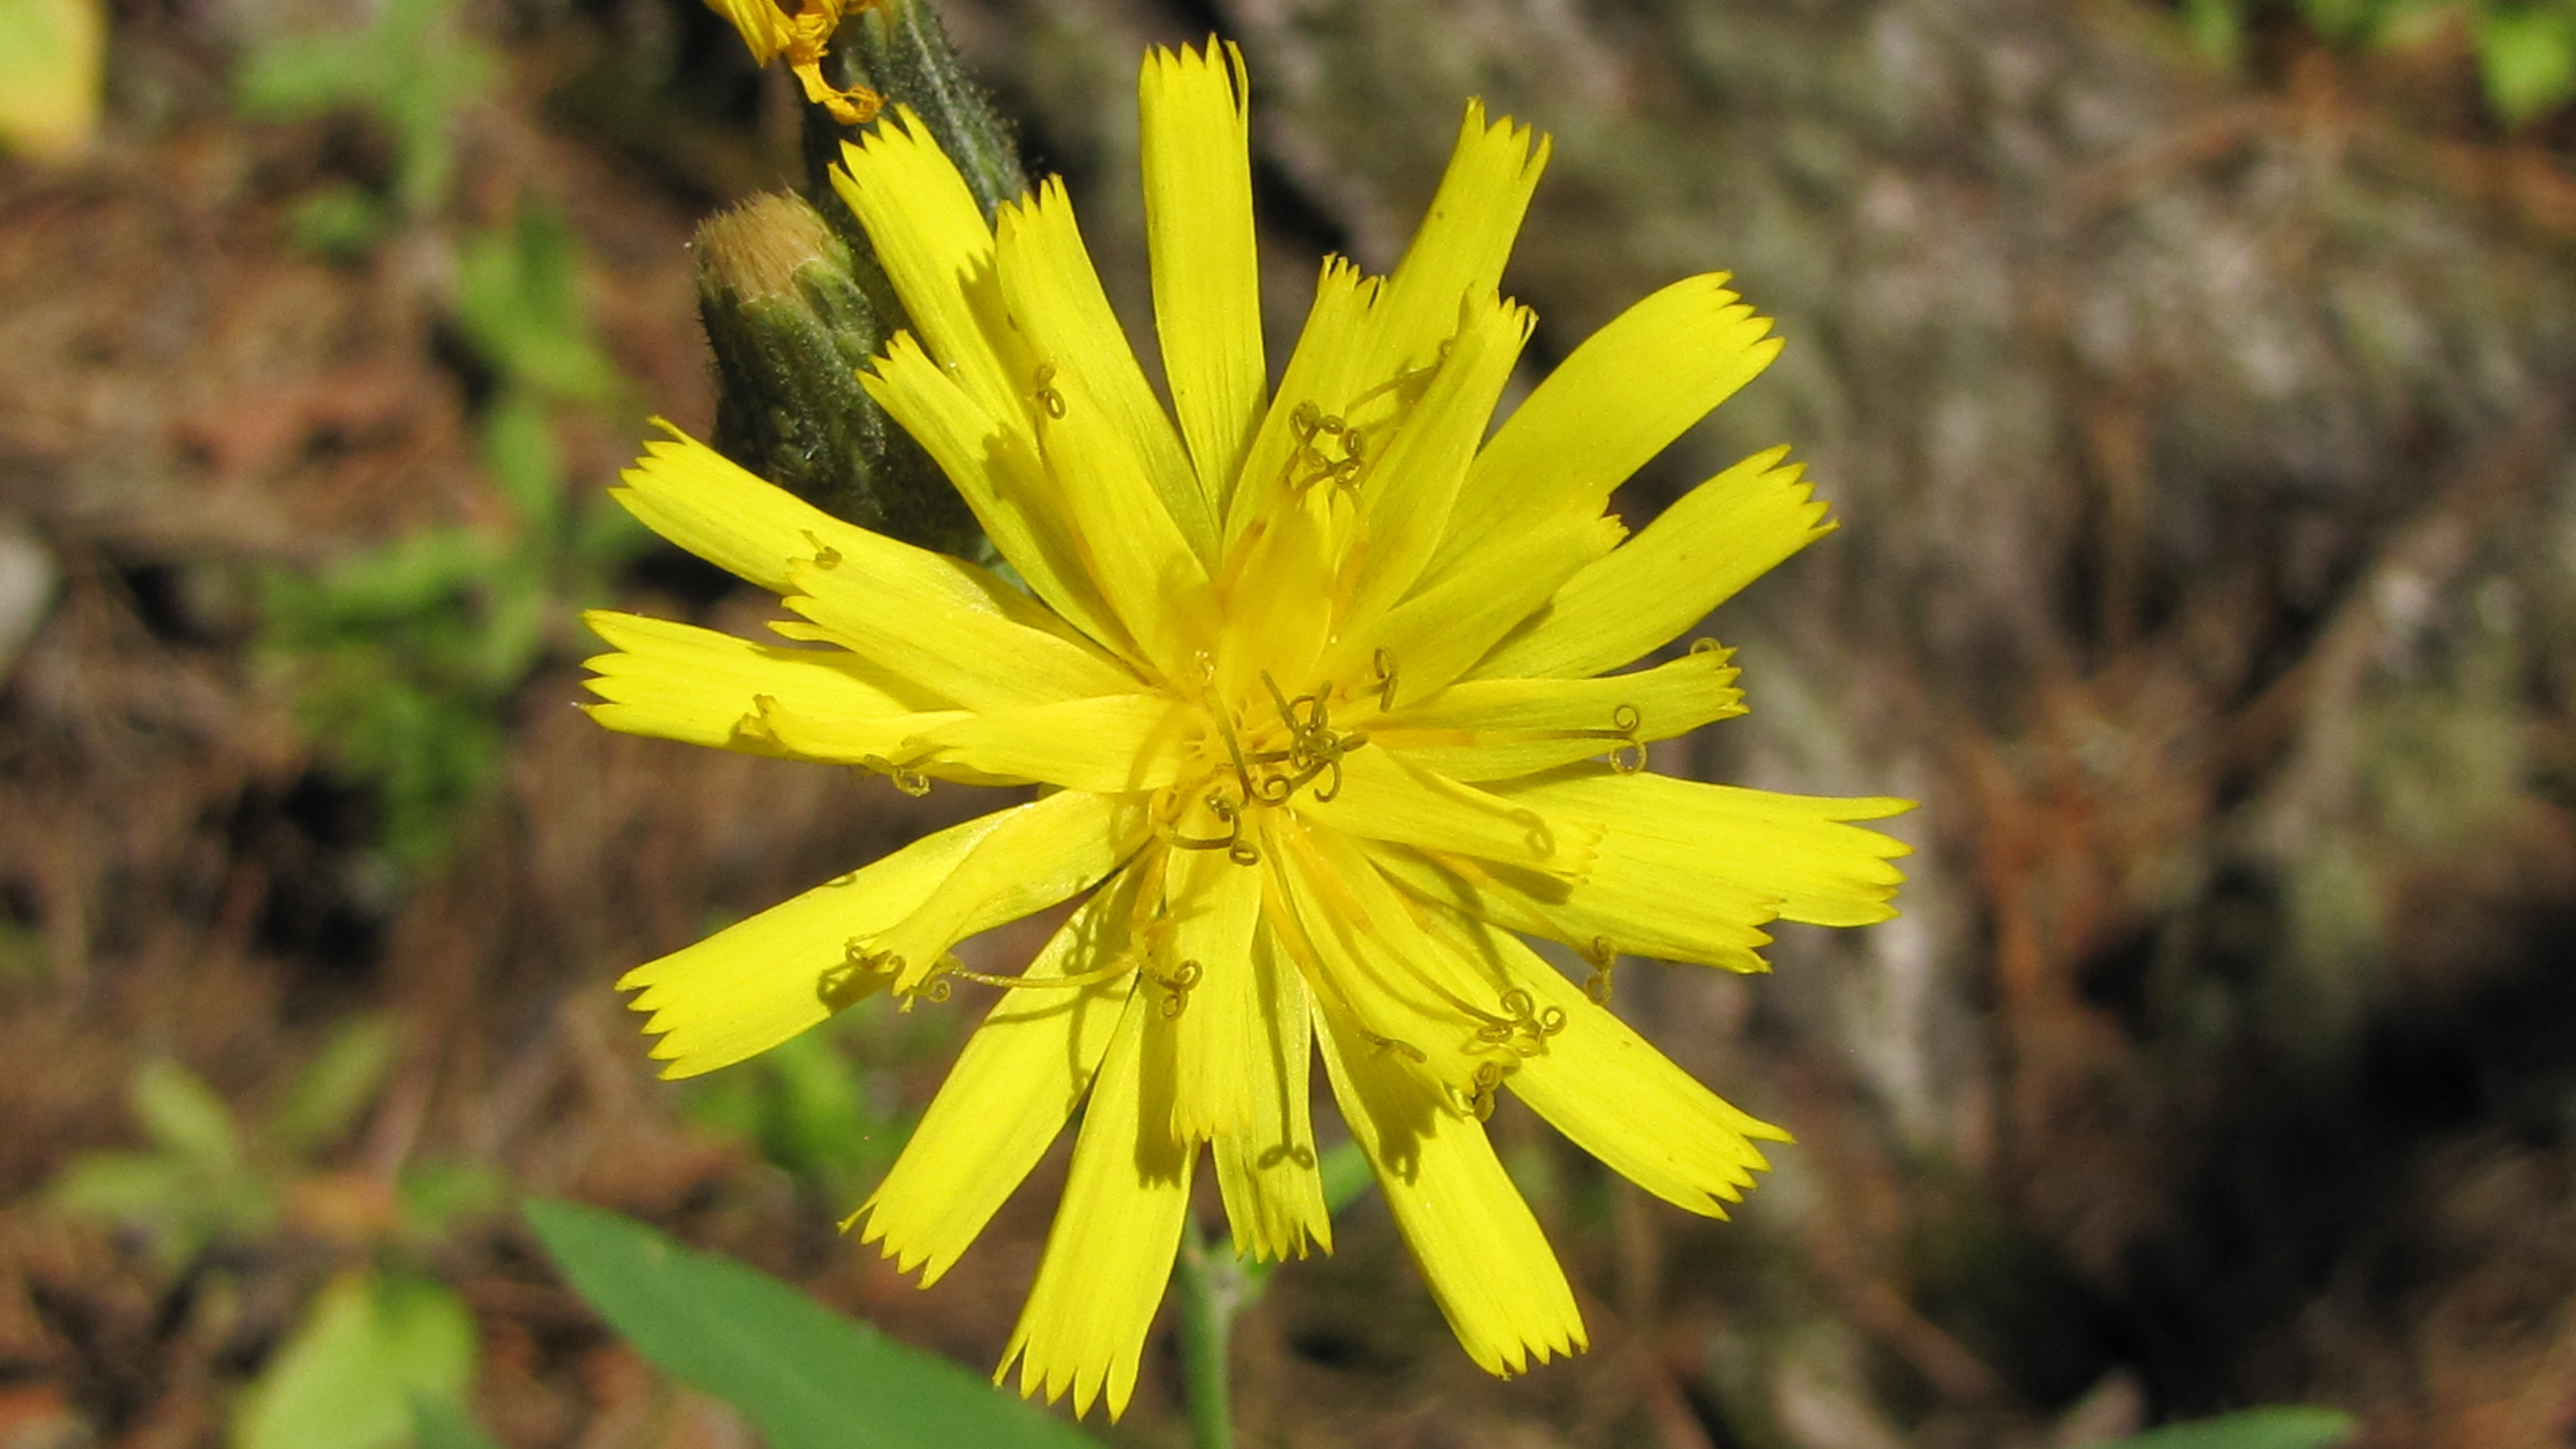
(1269, 758)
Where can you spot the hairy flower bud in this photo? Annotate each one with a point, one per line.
(899, 49)
(790, 323)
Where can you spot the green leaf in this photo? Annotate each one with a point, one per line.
(411, 67)
(436, 1194)
(349, 1378)
(411, 574)
(517, 605)
(136, 1187)
(2216, 28)
(808, 1110)
(2411, 24)
(608, 534)
(436, 1425)
(2528, 59)
(335, 1087)
(184, 1115)
(299, 76)
(2343, 20)
(518, 297)
(2292, 1427)
(182, 1204)
(519, 452)
(196, 1183)
(338, 222)
(807, 1377)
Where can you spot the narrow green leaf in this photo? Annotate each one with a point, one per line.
(2289, 1427)
(807, 1377)
(519, 452)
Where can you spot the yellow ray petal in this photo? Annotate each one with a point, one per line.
(701, 500)
(1493, 729)
(751, 986)
(680, 682)
(1154, 583)
(1011, 1091)
(1363, 948)
(1661, 836)
(1130, 549)
(1618, 1098)
(1359, 377)
(937, 250)
(1130, 500)
(1081, 360)
(683, 682)
(766, 31)
(1274, 1193)
(1221, 1055)
(925, 618)
(1322, 374)
(1719, 537)
(1385, 797)
(1198, 231)
(1036, 855)
(873, 742)
(1105, 744)
(1110, 743)
(1462, 245)
(997, 471)
(1490, 1268)
(1450, 623)
(1624, 395)
(1407, 491)
(1614, 912)
(901, 608)
(1110, 1251)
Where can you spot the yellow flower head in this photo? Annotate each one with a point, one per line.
(802, 38)
(1314, 686)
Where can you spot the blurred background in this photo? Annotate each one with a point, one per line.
(2193, 384)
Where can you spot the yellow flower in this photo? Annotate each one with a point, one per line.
(802, 38)
(1314, 687)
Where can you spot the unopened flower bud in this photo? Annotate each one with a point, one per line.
(899, 49)
(790, 325)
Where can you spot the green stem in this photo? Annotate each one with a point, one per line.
(1210, 1293)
